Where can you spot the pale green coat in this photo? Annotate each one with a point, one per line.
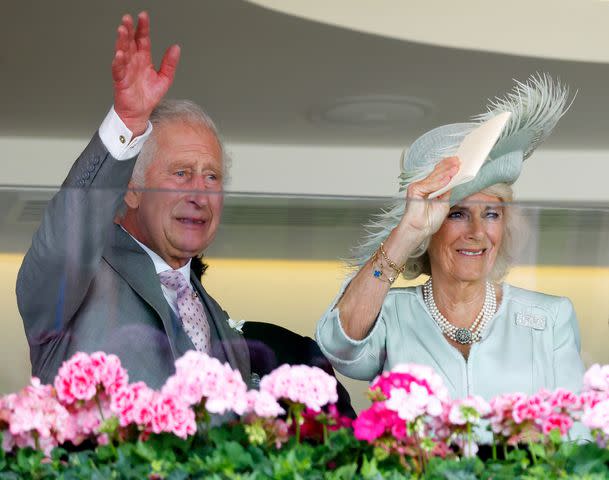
(531, 343)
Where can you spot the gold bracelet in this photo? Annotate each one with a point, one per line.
(393, 265)
(377, 270)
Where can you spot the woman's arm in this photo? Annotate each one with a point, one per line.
(361, 302)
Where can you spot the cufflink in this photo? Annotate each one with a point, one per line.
(122, 139)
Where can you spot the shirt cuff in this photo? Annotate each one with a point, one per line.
(118, 139)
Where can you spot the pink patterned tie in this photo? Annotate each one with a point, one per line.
(190, 309)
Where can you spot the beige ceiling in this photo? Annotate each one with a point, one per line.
(260, 73)
(559, 29)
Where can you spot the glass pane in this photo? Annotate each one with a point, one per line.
(277, 259)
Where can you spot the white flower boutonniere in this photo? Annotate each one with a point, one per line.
(236, 325)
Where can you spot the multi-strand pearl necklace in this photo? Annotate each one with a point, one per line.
(464, 336)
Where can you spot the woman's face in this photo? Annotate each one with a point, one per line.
(466, 245)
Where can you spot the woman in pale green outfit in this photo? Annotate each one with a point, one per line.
(484, 337)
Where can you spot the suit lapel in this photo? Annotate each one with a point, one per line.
(135, 266)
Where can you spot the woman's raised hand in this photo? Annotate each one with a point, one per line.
(422, 216)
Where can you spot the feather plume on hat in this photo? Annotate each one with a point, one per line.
(536, 105)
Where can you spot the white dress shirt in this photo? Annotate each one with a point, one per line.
(118, 139)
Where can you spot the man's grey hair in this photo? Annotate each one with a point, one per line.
(513, 239)
(175, 111)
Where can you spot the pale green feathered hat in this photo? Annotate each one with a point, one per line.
(536, 107)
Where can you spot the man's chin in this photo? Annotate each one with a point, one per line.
(190, 244)
(191, 251)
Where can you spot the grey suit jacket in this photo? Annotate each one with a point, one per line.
(86, 285)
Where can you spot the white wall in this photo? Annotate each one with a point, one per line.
(548, 175)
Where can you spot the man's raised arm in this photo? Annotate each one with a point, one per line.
(66, 250)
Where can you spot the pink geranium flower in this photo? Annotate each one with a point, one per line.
(200, 378)
(590, 398)
(468, 410)
(132, 404)
(597, 419)
(413, 401)
(109, 372)
(597, 378)
(34, 418)
(531, 408)
(403, 375)
(171, 415)
(405, 400)
(82, 376)
(76, 379)
(87, 418)
(263, 404)
(556, 420)
(374, 422)
(309, 386)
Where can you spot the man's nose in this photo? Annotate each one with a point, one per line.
(198, 192)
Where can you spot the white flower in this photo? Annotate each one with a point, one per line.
(236, 325)
(410, 405)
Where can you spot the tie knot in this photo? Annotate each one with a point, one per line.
(174, 280)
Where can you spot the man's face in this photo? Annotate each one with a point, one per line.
(178, 213)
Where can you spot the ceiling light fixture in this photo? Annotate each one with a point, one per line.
(372, 111)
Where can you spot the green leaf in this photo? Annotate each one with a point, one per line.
(460, 469)
(105, 453)
(225, 433)
(293, 462)
(346, 472)
(238, 455)
(370, 468)
(28, 460)
(147, 452)
(178, 474)
(538, 450)
(3, 462)
(109, 426)
(224, 453)
(586, 459)
(380, 454)
(555, 436)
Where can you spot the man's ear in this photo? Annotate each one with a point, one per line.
(133, 196)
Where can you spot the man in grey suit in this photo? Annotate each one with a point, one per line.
(90, 280)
